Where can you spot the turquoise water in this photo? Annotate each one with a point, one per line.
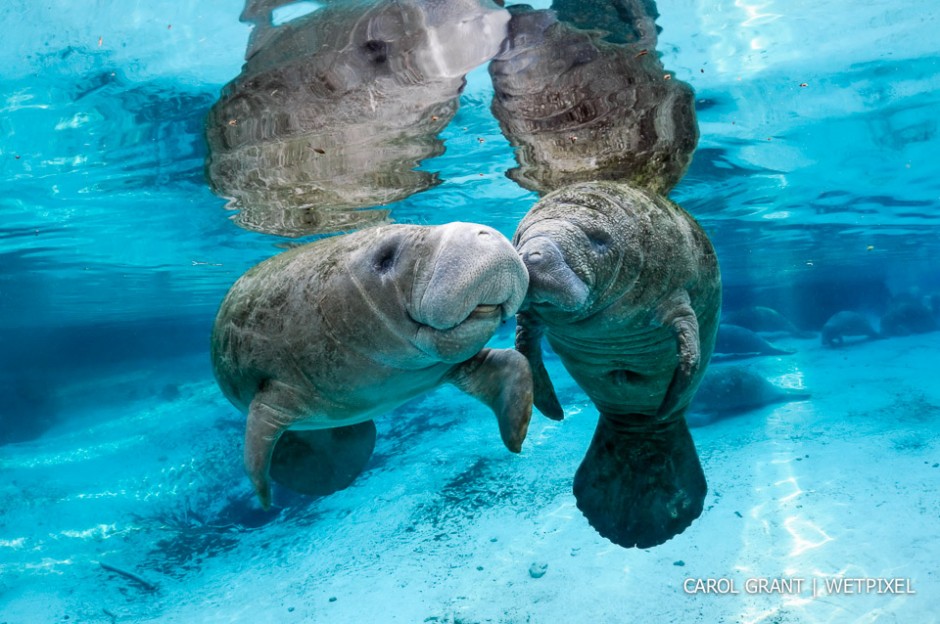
(814, 176)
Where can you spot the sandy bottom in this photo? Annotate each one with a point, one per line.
(446, 525)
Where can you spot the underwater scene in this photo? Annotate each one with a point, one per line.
(469, 311)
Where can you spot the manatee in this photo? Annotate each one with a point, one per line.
(333, 112)
(764, 319)
(737, 342)
(625, 287)
(315, 342)
(845, 324)
(907, 317)
(581, 109)
(730, 390)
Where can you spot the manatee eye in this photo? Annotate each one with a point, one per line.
(376, 49)
(384, 260)
(600, 242)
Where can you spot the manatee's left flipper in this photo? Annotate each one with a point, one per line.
(640, 482)
(322, 461)
(271, 412)
(502, 380)
(677, 313)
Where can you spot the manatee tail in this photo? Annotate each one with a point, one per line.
(323, 461)
(640, 483)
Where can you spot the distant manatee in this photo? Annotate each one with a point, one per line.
(907, 317)
(581, 109)
(734, 341)
(334, 111)
(846, 324)
(726, 391)
(764, 319)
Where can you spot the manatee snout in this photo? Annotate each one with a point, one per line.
(461, 34)
(551, 279)
(475, 275)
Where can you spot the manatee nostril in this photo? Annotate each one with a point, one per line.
(484, 233)
(532, 257)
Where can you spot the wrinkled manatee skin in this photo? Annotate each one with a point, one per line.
(625, 287)
(336, 332)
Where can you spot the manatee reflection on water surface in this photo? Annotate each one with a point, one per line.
(581, 108)
(333, 111)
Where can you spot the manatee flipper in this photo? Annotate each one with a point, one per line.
(265, 426)
(640, 483)
(500, 379)
(529, 344)
(678, 314)
(273, 409)
(322, 461)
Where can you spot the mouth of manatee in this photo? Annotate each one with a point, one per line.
(457, 339)
(481, 312)
(484, 309)
(477, 280)
(552, 279)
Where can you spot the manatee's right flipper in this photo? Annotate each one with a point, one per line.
(677, 313)
(501, 379)
(529, 344)
(322, 461)
(640, 483)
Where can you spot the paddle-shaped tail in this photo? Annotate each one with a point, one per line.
(640, 483)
